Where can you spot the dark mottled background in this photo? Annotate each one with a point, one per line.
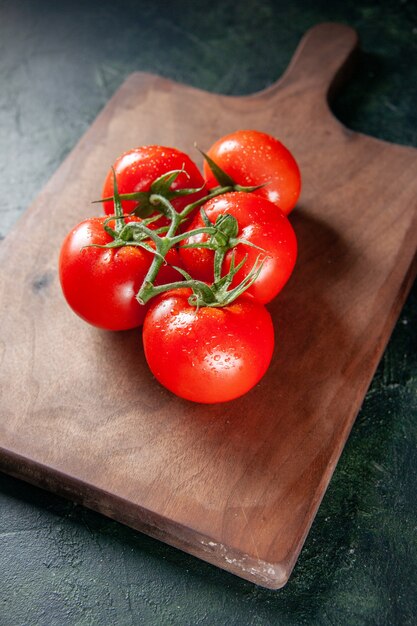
(62, 565)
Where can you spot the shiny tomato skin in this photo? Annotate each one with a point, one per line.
(260, 223)
(100, 284)
(207, 355)
(251, 158)
(137, 169)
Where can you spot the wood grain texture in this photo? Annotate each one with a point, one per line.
(235, 484)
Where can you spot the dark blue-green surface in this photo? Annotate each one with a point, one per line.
(61, 565)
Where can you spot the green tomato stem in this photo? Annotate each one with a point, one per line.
(118, 209)
(219, 255)
(191, 233)
(216, 192)
(170, 212)
(149, 290)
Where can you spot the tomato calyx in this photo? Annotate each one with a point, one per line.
(224, 179)
(127, 233)
(219, 293)
(161, 186)
(226, 232)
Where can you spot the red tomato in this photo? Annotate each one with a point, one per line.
(208, 354)
(100, 284)
(261, 224)
(137, 169)
(254, 158)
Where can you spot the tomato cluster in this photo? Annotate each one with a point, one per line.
(193, 258)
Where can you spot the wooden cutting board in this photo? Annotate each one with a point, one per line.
(236, 484)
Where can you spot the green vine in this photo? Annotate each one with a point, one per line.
(222, 237)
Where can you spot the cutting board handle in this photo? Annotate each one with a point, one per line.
(320, 63)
